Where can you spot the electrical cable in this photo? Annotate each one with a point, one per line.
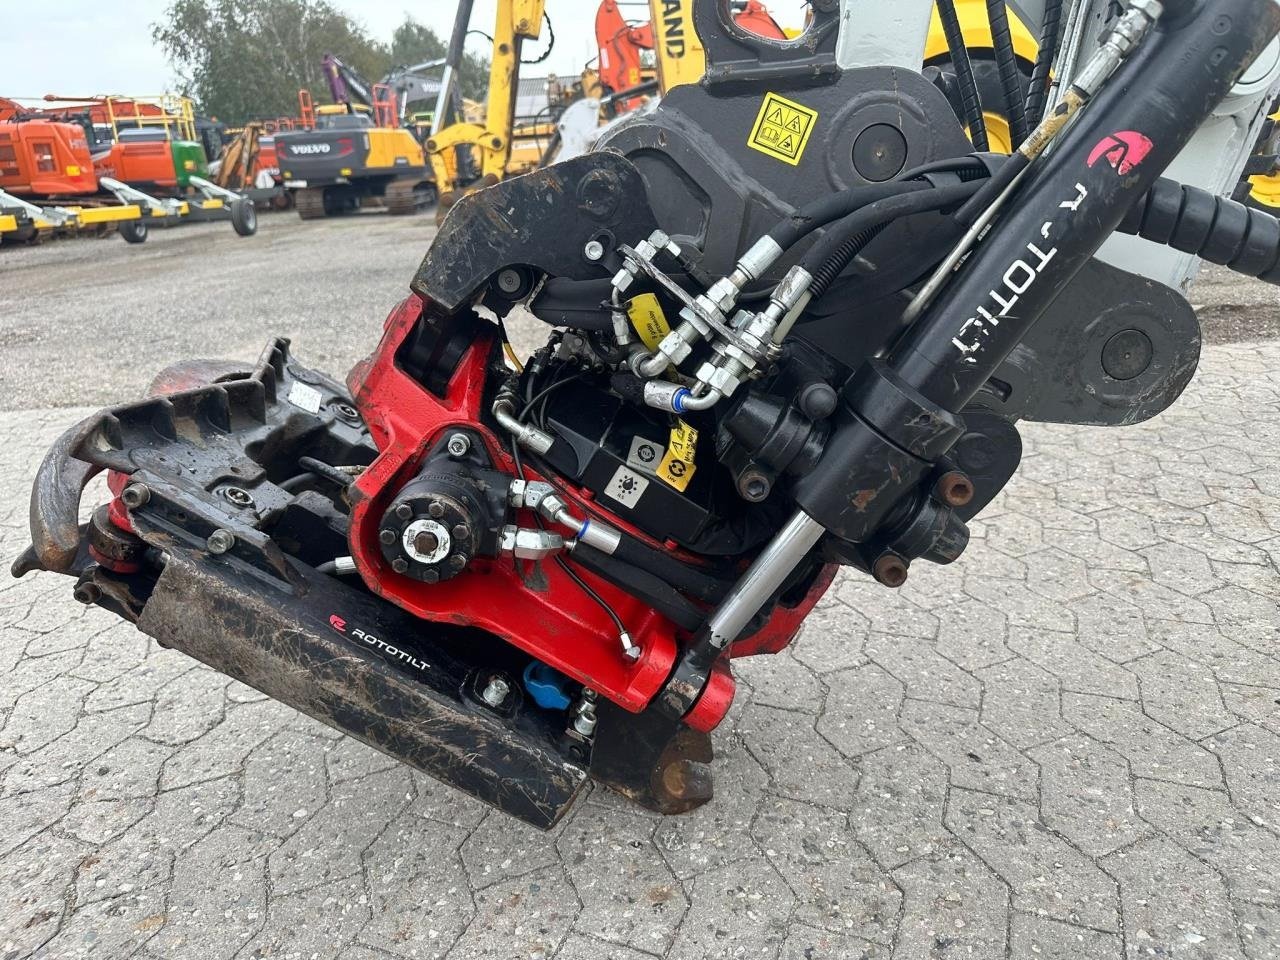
(1010, 76)
(551, 41)
(970, 102)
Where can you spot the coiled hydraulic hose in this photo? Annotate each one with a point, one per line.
(1050, 42)
(1010, 77)
(1217, 229)
(959, 53)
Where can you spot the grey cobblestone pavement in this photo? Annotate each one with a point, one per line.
(1065, 747)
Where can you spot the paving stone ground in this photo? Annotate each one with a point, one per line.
(1066, 746)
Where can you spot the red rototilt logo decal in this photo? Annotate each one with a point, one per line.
(338, 623)
(1124, 151)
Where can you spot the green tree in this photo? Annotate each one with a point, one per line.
(242, 59)
(413, 43)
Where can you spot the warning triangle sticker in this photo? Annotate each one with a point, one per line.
(775, 117)
(794, 125)
(787, 145)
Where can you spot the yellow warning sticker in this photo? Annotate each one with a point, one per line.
(648, 319)
(676, 468)
(782, 129)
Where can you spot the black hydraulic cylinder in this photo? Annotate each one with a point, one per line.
(1077, 196)
(898, 417)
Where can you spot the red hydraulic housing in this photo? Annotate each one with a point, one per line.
(533, 605)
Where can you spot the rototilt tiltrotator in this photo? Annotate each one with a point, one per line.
(792, 322)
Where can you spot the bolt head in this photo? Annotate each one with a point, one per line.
(436, 509)
(220, 541)
(136, 495)
(955, 489)
(431, 576)
(387, 537)
(459, 446)
(400, 565)
(426, 542)
(495, 691)
(890, 570)
(457, 562)
(593, 251)
(461, 532)
(404, 512)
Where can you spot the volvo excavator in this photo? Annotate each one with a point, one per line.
(355, 151)
(793, 320)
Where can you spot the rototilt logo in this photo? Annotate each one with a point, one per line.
(1124, 151)
(395, 653)
(303, 149)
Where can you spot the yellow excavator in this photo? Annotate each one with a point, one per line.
(467, 155)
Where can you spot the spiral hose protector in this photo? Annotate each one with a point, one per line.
(1217, 229)
(969, 99)
(1010, 78)
(1050, 40)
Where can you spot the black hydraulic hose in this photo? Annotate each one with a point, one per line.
(327, 471)
(829, 257)
(959, 53)
(818, 213)
(1217, 229)
(1050, 43)
(1010, 76)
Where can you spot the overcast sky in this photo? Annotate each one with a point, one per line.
(83, 47)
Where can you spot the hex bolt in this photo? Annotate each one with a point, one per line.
(457, 562)
(459, 446)
(436, 509)
(593, 251)
(387, 537)
(955, 489)
(404, 512)
(461, 532)
(136, 495)
(220, 541)
(495, 692)
(87, 593)
(891, 570)
(400, 565)
(431, 576)
(426, 542)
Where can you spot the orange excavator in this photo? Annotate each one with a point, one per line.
(42, 157)
(628, 60)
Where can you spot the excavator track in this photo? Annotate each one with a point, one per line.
(405, 197)
(310, 203)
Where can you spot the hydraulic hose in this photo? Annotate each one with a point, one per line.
(1010, 77)
(829, 257)
(1217, 229)
(1050, 42)
(959, 53)
(818, 213)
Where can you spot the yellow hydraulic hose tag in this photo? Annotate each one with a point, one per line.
(676, 468)
(648, 319)
(782, 129)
